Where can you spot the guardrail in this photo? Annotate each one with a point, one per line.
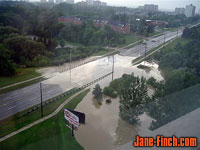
(72, 91)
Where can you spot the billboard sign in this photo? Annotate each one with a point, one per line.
(71, 118)
(80, 115)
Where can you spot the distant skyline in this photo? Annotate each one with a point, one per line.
(163, 4)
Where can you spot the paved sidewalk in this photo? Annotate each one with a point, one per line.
(42, 119)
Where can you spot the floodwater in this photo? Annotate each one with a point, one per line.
(54, 70)
(104, 129)
(96, 69)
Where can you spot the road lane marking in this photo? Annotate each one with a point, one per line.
(12, 107)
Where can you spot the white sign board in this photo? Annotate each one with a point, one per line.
(73, 119)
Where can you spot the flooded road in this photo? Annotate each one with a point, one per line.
(52, 71)
(59, 79)
(104, 130)
(21, 99)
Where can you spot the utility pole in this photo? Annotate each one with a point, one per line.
(177, 31)
(41, 99)
(164, 38)
(145, 52)
(72, 130)
(70, 64)
(113, 66)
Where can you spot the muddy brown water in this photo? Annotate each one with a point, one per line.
(104, 129)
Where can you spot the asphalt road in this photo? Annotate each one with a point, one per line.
(16, 101)
(151, 43)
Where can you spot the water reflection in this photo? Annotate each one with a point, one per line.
(125, 132)
(104, 129)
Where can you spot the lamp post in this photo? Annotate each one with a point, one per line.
(177, 31)
(164, 38)
(113, 66)
(70, 55)
(41, 99)
(145, 52)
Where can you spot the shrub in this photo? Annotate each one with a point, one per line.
(108, 91)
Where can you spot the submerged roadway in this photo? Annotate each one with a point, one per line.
(21, 99)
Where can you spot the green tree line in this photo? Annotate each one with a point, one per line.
(179, 93)
(19, 19)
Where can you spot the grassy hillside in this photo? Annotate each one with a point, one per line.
(51, 134)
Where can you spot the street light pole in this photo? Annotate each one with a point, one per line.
(72, 130)
(70, 64)
(113, 66)
(145, 52)
(41, 99)
(164, 38)
(177, 31)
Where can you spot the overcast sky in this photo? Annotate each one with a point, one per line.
(163, 4)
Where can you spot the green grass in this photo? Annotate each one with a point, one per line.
(132, 45)
(100, 53)
(130, 39)
(141, 58)
(22, 75)
(173, 44)
(168, 46)
(73, 43)
(170, 29)
(155, 34)
(13, 123)
(9, 89)
(51, 134)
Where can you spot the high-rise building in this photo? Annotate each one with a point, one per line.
(43, 1)
(103, 4)
(70, 1)
(190, 10)
(97, 3)
(141, 7)
(179, 11)
(59, 1)
(51, 1)
(82, 3)
(151, 7)
(89, 2)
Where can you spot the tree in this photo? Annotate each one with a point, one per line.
(62, 43)
(97, 93)
(7, 67)
(88, 33)
(150, 29)
(109, 91)
(180, 79)
(133, 99)
(142, 26)
(23, 48)
(7, 31)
